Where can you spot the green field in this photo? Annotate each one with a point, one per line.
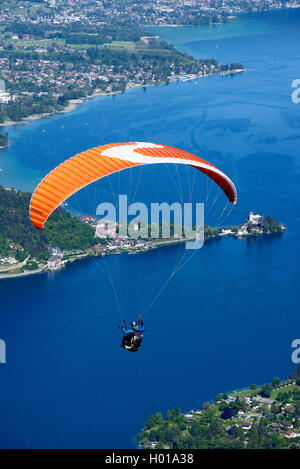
(129, 45)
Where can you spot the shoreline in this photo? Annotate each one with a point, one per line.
(74, 103)
(247, 391)
(253, 413)
(23, 274)
(156, 245)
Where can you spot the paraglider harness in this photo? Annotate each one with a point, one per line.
(132, 341)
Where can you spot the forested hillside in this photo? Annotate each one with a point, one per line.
(62, 230)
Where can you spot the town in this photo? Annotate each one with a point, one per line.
(54, 54)
(109, 241)
(115, 243)
(265, 416)
(156, 12)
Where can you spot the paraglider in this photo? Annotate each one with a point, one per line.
(132, 337)
(94, 164)
(89, 166)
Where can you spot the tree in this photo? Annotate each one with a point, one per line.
(158, 418)
(253, 437)
(150, 422)
(173, 414)
(283, 396)
(197, 429)
(266, 390)
(215, 430)
(275, 382)
(236, 66)
(222, 405)
(236, 432)
(275, 408)
(229, 412)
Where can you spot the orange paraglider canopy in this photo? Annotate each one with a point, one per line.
(91, 165)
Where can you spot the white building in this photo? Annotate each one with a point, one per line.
(226, 232)
(55, 251)
(5, 97)
(54, 262)
(106, 230)
(255, 218)
(246, 425)
(292, 434)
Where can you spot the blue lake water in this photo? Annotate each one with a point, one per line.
(227, 319)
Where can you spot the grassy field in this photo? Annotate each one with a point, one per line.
(22, 43)
(27, 43)
(284, 386)
(129, 45)
(244, 393)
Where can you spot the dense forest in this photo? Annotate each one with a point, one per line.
(62, 230)
(270, 225)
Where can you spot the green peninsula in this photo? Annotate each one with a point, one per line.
(65, 238)
(266, 417)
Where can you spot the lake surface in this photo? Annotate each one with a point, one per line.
(227, 319)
